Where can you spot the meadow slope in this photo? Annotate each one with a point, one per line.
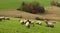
(13, 26)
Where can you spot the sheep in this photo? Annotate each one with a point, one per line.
(39, 22)
(27, 24)
(25, 21)
(2, 18)
(32, 22)
(21, 21)
(29, 21)
(7, 18)
(49, 24)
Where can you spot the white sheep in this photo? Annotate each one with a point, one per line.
(49, 24)
(39, 22)
(22, 21)
(2, 18)
(7, 18)
(32, 22)
(25, 21)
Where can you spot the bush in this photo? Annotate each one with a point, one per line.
(33, 7)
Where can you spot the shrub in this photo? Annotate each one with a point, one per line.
(33, 7)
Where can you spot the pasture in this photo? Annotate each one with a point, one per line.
(13, 26)
(8, 8)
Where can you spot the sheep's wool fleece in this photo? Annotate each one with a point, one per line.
(27, 23)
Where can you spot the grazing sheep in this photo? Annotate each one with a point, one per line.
(29, 21)
(27, 24)
(49, 24)
(25, 21)
(39, 22)
(7, 18)
(2, 18)
(22, 21)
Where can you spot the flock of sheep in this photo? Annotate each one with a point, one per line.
(4, 18)
(28, 22)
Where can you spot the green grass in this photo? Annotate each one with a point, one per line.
(9, 4)
(13, 4)
(13, 26)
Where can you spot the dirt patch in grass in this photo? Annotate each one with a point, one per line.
(52, 13)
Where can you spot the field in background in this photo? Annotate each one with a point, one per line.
(13, 26)
(13, 4)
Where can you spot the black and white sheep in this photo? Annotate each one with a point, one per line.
(27, 24)
(7, 18)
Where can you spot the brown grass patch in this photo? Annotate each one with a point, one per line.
(52, 13)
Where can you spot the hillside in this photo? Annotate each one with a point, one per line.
(13, 26)
(13, 4)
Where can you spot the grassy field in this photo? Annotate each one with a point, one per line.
(13, 4)
(13, 26)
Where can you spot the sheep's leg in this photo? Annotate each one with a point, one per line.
(28, 26)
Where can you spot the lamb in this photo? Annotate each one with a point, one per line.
(49, 24)
(39, 22)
